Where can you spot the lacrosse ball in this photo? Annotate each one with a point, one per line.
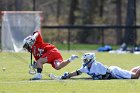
(3, 68)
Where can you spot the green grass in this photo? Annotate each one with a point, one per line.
(16, 78)
(82, 46)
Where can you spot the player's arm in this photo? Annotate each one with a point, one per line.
(67, 75)
(35, 35)
(75, 73)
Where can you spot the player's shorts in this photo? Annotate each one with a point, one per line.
(53, 57)
(119, 73)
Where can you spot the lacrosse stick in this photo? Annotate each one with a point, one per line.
(32, 70)
(54, 77)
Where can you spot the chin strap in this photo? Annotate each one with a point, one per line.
(89, 62)
(85, 64)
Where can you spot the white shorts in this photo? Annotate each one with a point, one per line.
(119, 73)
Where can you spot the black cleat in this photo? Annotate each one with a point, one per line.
(35, 78)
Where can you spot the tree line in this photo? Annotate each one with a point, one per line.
(85, 12)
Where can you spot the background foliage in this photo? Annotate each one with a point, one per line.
(84, 12)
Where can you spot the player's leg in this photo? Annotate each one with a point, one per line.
(135, 69)
(58, 64)
(120, 73)
(45, 58)
(56, 60)
(136, 72)
(39, 64)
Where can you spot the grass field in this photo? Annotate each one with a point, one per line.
(82, 46)
(15, 79)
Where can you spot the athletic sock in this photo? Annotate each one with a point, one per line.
(39, 70)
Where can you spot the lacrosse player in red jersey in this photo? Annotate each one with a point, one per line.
(44, 53)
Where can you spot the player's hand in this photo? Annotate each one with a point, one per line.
(65, 75)
(34, 65)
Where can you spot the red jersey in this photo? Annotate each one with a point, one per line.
(40, 47)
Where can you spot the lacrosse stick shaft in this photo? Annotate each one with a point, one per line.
(31, 57)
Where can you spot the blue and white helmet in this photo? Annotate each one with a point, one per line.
(88, 57)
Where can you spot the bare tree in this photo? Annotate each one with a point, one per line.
(58, 10)
(18, 5)
(87, 14)
(71, 19)
(101, 12)
(118, 21)
(130, 34)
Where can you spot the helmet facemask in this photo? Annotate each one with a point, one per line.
(27, 43)
(27, 47)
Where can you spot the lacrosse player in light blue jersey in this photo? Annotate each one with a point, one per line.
(98, 71)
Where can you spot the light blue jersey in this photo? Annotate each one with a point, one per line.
(99, 71)
(96, 69)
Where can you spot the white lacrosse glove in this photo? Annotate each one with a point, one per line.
(73, 57)
(34, 65)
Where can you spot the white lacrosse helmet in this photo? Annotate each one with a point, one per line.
(88, 57)
(28, 42)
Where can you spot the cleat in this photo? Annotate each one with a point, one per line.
(37, 76)
(73, 57)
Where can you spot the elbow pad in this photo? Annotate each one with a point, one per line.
(78, 72)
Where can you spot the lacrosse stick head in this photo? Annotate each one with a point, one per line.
(54, 77)
(32, 70)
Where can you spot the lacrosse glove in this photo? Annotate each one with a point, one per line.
(65, 75)
(34, 65)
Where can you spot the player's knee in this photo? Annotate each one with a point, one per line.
(135, 69)
(135, 76)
